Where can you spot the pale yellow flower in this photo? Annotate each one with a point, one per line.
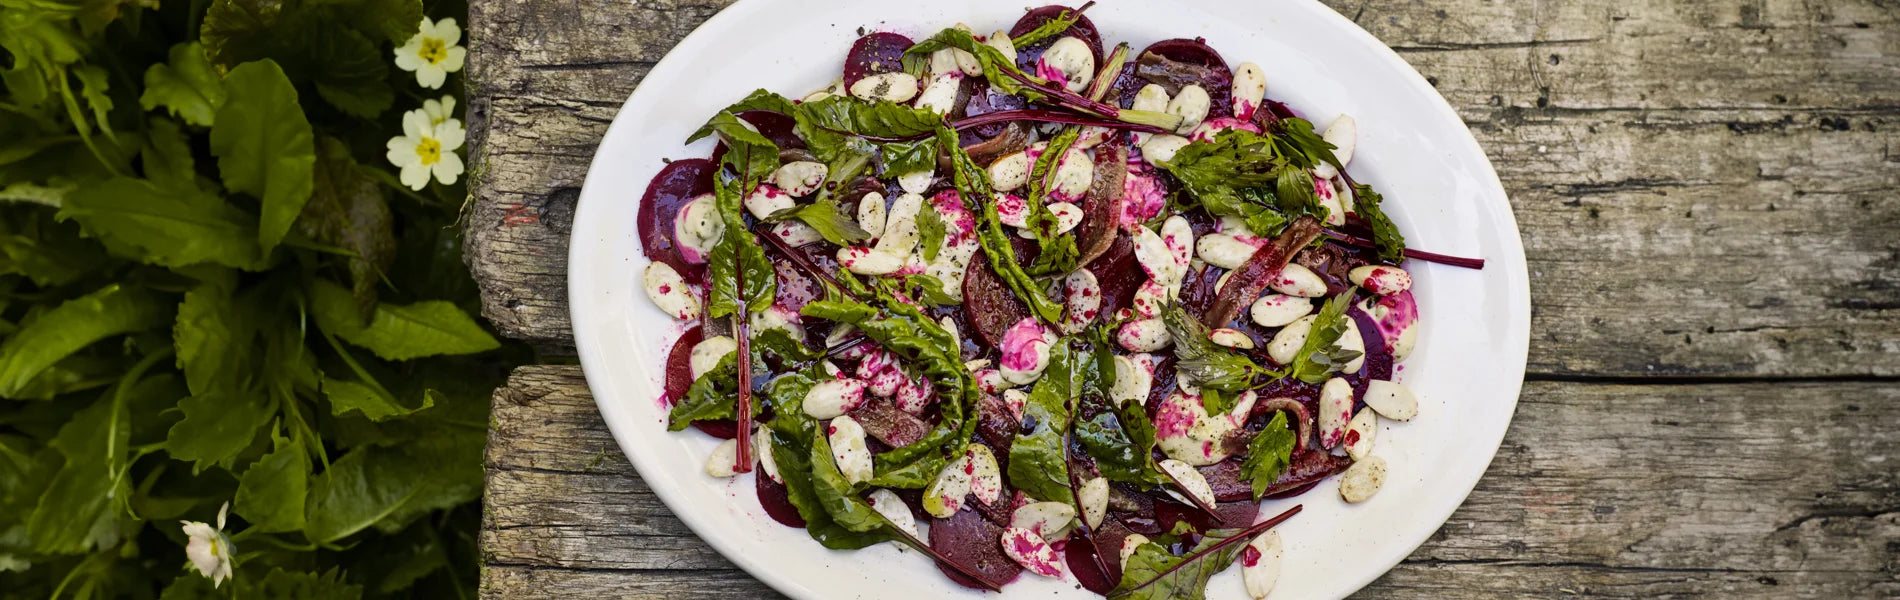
(433, 53)
(208, 548)
(427, 147)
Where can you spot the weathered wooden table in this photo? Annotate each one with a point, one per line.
(1707, 191)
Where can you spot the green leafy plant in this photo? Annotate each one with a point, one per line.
(220, 305)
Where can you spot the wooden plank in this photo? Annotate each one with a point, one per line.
(1705, 189)
(1605, 490)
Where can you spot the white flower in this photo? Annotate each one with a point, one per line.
(427, 147)
(209, 550)
(441, 110)
(433, 53)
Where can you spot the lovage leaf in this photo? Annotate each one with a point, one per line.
(171, 227)
(1386, 234)
(185, 85)
(1210, 365)
(75, 324)
(271, 492)
(399, 331)
(264, 145)
(1322, 354)
(1269, 454)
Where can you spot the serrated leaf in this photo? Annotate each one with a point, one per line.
(164, 226)
(399, 331)
(1269, 454)
(264, 146)
(76, 512)
(167, 156)
(75, 324)
(218, 424)
(349, 71)
(235, 30)
(185, 84)
(94, 82)
(271, 492)
(346, 396)
(387, 488)
(211, 339)
(347, 210)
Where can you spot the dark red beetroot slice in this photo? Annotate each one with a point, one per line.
(968, 539)
(1083, 28)
(883, 420)
(1378, 355)
(777, 500)
(1227, 515)
(1101, 221)
(984, 99)
(1119, 273)
(993, 308)
(679, 365)
(995, 425)
(1108, 545)
(1229, 481)
(1176, 63)
(1309, 467)
(672, 188)
(880, 52)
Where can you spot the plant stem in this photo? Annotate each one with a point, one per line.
(1456, 261)
(1050, 116)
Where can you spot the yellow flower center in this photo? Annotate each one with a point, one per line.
(433, 50)
(429, 151)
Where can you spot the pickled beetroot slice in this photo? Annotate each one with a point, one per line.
(1190, 61)
(679, 365)
(971, 540)
(672, 188)
(777, 500)
(880, 52)
(992, 307)
(1083, 28)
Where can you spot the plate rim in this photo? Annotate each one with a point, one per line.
(1389, 555)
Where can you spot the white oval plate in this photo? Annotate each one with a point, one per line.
(1440, 188)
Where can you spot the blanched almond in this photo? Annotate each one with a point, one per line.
(697, 227)
(1134, 378)
(1191, 104)
(944, 496)
(1224, 251)
(1069, 61)
(762, 445)
(1143, 336)
(1359, 433)
(1277, 310)
(1074, 172)
(1130, 544)
(1392, 399)
(1260, 564)
(799, 177)
(1381, 279)
(1231, 338)
(1343, 134)
(796, 233)
(887, 503)
(1362, 479)
(1250, 87)
(986, 479)
(999, 40)
(896, 86)
(1352, 341)
(1297, 280)
(1010, 172)
(833, 397)
(1093, 496)
(1030, 551)
(669, 291)
(941, 94)
(871, 214)
(708, 352)
(1082, 295)
(900, 228)
(1067, 216)
(849, 450)
(865, 261)
(724, 457)
(1286, 344)
(1335, 409)
(1189, 480)
(1161, 147)
(1048, 519)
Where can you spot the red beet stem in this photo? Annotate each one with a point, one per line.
(1075, 492)
(1066, 97)
(1245, 534)
(1050, 116)
(1456, 261)
(743, 460)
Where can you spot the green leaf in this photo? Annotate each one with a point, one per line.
(185, 85)
(792, 437)
(883, 119)
(377, 405)
(77, 511)
(387, 488)
(218, 424)
(291, 585)
(394, 20)
(1153, 574)
(1048, 29)
(1038, 462)
(93, 84)
(1058, 252)
(759, 99)
(399, 331)
(350, 73)
(212, 336)
(835, 494)
(904, 158)
(1269, 454)
(1384, 233)
(1122, 444)
(931, 232)
(272, 491)
(164, 226)
(995, 64)
(1322, 355)
(735, 256)
(1210, 365)
(235, 30)
(748, 153)
(973, 185)
(53, 258)
(75, 324)
(264, 145)
(829, 220)
(167, 156)
(347, 211)
(713, 396)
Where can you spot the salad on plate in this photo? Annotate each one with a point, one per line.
(1027, 302)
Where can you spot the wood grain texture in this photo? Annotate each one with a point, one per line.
(1705, 188)
(1604, 490)
(1707, 192)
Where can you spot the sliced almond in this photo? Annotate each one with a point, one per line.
(724, 457)
(986, 479)
(849, 449)
(1093, 496)
(1189, 480)
(1359, 433)
(886, 503)
(1260, 564)
(1362, 479)
(1335, 409)
(1392, 399)
(1030, 551)
(1048, 519)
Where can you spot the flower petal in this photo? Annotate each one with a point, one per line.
(416, 125)
(448, 31)
(449, 168)
(426, 29)
(415, 175)
(402, 152)
(431, 76)
(453, 62)
(450, 134)
(409, 56)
